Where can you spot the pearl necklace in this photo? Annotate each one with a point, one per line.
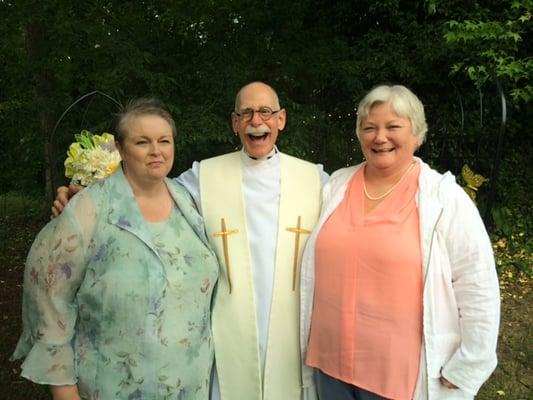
(392, 187)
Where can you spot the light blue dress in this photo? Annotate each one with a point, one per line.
(119, 306)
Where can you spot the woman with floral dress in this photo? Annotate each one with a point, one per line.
(117, 290)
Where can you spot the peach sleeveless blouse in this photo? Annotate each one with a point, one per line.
(366, 328)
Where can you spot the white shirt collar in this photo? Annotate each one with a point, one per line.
(272, 157)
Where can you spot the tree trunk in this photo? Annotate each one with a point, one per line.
(37, 47)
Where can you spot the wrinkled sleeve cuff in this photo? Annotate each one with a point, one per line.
(46, 364)
(468, 377)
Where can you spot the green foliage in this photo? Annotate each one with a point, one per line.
(497, 43)
(321, 56)
(17, 207)
(512, 218)
(513, 244)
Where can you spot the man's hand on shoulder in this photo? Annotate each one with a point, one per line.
(64, 194)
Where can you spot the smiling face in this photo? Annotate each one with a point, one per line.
(387, 140)
(147, 150)
(257, 136)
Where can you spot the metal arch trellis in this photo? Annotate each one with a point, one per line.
(76, 102)
(495, 165)
(450, 149)
(91, 96)
(499, 147)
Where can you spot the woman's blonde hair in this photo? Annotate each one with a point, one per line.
(138, 107)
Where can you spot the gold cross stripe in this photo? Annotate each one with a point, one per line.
(224, 233)
(298, 230)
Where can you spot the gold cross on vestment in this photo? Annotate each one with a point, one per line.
(224, 232)
(298, 230)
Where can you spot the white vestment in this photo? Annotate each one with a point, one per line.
(261, 191)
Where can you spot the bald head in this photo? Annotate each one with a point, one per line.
(258, 133)
(257, 87)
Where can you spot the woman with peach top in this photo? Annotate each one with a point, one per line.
(399, 295)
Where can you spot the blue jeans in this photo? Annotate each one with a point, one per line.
(330, 388)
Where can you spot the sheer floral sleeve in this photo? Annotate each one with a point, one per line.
(54, 271)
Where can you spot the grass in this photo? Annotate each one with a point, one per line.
(20, 220)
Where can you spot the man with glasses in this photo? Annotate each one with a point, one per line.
(259, 205)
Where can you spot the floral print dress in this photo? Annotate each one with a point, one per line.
(119, 306)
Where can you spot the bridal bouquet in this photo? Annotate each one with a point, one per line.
(91, 157)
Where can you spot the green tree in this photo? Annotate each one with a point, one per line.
(498, 43)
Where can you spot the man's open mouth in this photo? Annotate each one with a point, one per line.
(258, 136)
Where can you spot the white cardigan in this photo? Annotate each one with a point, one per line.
(461, 293)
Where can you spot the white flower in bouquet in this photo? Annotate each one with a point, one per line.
(91, 157)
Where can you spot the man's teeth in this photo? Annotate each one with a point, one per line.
(258, 135)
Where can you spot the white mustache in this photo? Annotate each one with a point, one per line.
(257, 130)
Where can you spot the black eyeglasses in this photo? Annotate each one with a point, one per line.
(264, 112)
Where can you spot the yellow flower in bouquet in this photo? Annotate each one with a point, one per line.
(91, 157)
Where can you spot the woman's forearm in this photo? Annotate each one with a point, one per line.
(65, 392)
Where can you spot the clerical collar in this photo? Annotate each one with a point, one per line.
(268, 157)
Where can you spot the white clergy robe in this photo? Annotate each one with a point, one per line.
(261, 190)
